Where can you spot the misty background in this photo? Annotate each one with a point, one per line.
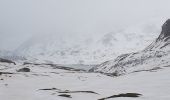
(22, 19)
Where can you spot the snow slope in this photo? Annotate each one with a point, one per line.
(153, 85)
(94, 49)
(155, 56)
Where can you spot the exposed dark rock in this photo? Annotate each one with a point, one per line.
(24, 70)
(132, 95)
(65, 95)
(5, 73)
(7, 61)
(163, 38)
(165, 30)
(67, 91)
(50, 89)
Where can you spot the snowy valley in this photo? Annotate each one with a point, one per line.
(142, 75)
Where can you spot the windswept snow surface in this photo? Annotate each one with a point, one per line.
(153, 85)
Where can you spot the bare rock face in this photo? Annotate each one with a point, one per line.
(155, 55)
(163, 41)
(165, 30)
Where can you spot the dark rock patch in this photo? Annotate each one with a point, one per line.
(67, 91)
(5, 73)
(132, 95)
(7, 61)
(24, 70)
(165, 30)
(65, 95)
(50, 89)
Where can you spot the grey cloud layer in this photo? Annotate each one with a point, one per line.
(20, 19)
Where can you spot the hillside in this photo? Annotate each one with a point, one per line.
(155, 56)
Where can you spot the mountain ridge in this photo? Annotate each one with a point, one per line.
(92, 50)
(155, 55)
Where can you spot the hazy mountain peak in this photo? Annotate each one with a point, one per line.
(89, 49)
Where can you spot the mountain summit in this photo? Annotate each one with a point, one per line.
(165, 30)
(163, 40)
(165, 33)
(155, 56)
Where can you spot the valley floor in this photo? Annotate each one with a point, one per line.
(47, 83)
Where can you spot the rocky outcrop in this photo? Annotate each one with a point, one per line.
(155, 55)
(7, 61)
(24, 70)
(165, 31)
(163, 40)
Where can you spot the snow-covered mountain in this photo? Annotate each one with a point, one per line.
(54, 82)
(77, 49)
(10, 55)
(155, 56)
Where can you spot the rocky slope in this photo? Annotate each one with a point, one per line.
(154, 57)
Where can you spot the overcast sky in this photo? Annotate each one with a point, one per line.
(20, 19)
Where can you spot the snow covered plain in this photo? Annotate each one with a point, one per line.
(44, 82)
